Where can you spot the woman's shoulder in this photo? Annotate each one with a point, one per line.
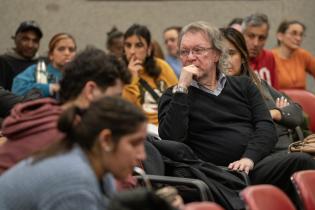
(302, 53)
(166, 69)
(162, 64)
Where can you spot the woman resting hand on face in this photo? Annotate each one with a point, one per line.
(143, 65)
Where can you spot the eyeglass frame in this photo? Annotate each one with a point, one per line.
(196, 51)
(295, 33)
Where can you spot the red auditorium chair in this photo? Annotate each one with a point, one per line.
(202, 206)
(266, 197)
(306, 100)
(304, 182)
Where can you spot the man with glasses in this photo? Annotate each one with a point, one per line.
(223, 119)
(26, 39)
(255, 29)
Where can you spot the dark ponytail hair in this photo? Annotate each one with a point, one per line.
(149, 63)
(82, 126)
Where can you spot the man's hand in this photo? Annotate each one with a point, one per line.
(187, 74)
(134, 66)
(244, 164)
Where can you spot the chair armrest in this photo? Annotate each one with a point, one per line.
(203, 189)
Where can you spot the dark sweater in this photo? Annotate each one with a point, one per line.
(220, 129)
(11, 66)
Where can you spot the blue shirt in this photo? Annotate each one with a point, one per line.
(175, 63)
(61, 182)
(25, 81)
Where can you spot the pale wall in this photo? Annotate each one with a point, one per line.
(89, 21)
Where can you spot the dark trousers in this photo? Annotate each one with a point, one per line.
(276, 169)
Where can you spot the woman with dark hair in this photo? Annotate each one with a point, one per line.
(62, 49)
(292, 61)
(284, 112)
(105, 140)
(150, 76)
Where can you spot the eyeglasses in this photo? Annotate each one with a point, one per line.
(295, 33)
(195, 51)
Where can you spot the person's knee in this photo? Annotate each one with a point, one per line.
(302, 160)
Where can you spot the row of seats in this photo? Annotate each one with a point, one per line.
(268, 197)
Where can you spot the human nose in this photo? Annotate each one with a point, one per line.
(30, 43)
(191, 55)
(132, 50)
(299, 37)
(256, 41)
(141, 154)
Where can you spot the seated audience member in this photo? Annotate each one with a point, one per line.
(8, 100)
(292, 61)
(223, 119)
(236, 23)
(62, 49)
(150, 76)
(255, 29)
(24, 54)
(115, 42)
(285, 113)
(170, 35)
(32, 126)
(102, 141)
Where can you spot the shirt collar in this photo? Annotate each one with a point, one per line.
(219, 88)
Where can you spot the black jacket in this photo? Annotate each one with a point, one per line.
(180, 161)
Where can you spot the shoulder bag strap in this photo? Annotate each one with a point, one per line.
(146, 86)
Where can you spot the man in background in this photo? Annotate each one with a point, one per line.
(27, 38)
(255, 29)
(170, 36)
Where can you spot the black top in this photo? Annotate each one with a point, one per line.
(220, 129)
(291, 116)
(7, 101)
(10, 67)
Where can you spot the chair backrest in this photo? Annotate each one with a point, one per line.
(306, 100)
(261, 197)
(202, 206)
(304, 182)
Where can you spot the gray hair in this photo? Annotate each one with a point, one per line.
(214, 36)
(255, 20)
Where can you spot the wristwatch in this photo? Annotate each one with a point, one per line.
(179, 89)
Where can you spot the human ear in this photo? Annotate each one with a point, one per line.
(89, 91)
(105, 139)
(280, 36)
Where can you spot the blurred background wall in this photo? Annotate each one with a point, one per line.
(89, 20)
